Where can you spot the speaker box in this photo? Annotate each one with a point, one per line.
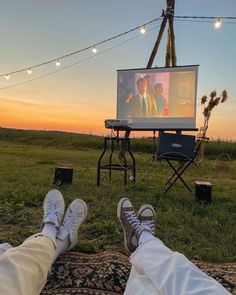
(63, 175)
(203, 191)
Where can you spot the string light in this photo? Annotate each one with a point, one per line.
(94, 50)
(93, 46)
(143, 30)
(58, 63)
(77, 62)
(217, 23)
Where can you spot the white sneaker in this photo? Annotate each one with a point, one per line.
(74, 217)
(53, 207)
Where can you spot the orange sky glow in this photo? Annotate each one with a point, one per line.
(39, 116)
(80, 97)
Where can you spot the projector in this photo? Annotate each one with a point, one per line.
(117, 123)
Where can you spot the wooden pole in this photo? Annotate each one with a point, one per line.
(170, 47)
(168, 50)
(158, 41)
(172, 34)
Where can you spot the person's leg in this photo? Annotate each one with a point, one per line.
(138, 283)
(23, 269)
(154, 266)
(171, 272)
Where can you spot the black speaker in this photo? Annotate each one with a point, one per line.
(63, 175)
(203, 191)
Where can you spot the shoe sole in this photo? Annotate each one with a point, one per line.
(86, 210)
(119, 217)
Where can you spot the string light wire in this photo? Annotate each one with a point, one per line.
(55, 60)
(205, 17)
(78, 62)
(202, 21)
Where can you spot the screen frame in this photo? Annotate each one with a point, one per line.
(158, 120)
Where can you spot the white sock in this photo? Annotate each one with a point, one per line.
(50, 230)
(61, 247)
(145, 237)
(4, 247)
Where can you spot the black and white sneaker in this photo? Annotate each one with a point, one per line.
(132, 226)
(147, 216)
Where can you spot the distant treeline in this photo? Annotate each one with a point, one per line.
(69, 140)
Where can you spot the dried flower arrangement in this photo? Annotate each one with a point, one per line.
(208, 107)
(213, 102)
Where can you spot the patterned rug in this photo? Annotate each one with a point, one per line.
(107, 273)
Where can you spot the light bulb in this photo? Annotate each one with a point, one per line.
(58, 63)
(143, 30)
(94, 50)
(29, 71)
(217, 23)
(7, 77)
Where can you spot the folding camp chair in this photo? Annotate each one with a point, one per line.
(177, 148)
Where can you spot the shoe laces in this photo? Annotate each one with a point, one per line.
(150, 224)
(53, 210)
(133, 220)
(70, 221)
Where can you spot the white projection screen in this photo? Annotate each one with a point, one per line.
(158, 98)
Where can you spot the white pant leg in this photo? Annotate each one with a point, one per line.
(24, 269)
(139, 284)
(171, 273)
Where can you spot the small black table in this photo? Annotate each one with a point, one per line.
(122, 165)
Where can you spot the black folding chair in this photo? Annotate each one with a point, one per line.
(177, 148)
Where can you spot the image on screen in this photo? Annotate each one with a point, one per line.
(153, 97)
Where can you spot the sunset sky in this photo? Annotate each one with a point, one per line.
(81, 97)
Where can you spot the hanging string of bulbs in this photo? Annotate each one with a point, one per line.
(65, 67)
(93, 48)
(142, 29)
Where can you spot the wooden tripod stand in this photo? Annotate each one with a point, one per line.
(168, 16)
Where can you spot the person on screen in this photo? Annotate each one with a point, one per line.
(143, 104)
(149, 85)
(160, 100)
(128, 103)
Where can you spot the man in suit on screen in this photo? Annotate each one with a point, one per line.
(143, 104)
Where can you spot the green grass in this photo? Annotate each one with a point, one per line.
(80, 142)
(27, 165)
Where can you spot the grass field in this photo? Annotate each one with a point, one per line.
(200, 231)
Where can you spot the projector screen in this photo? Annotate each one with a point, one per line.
(158, 98)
